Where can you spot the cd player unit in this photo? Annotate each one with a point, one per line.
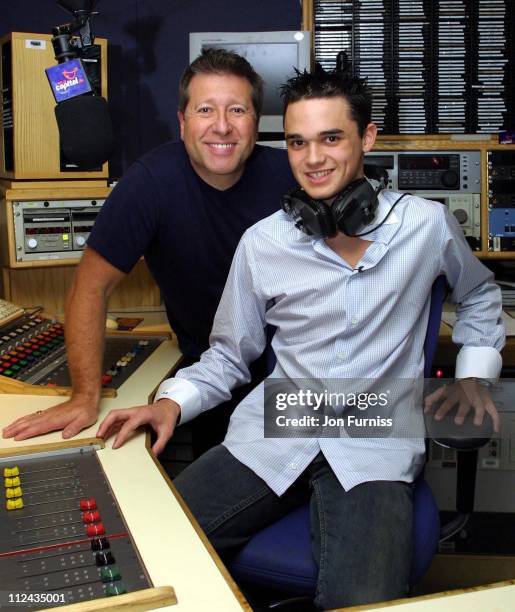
(417, 172)
(450, 177)
(52, 229)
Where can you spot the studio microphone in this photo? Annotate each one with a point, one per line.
(82, 115)
(85, 130)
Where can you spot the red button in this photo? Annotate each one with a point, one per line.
(95, 529)
(88, 504)
(106, 379)
(90, 517)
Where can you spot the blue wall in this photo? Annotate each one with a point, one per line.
(148, 50)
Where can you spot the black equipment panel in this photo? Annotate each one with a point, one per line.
(501, 200)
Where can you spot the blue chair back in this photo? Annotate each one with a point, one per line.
(438, 293)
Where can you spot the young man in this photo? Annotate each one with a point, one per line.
(184, 207)
(344, 307)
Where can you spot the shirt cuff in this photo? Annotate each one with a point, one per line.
(478, 362)
(184, 393)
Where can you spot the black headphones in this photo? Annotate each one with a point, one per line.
(353, 208)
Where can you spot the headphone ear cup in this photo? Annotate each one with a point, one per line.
(355, 206)
(328, 227)
(313, 217)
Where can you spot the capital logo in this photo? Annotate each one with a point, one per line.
(72, 77)
(68, 80)
(70, 74)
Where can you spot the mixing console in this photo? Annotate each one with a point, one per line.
(62, 536)
(32, 350)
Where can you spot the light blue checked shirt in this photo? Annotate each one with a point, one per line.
(335, 322)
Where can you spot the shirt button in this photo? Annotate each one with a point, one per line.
(293, 466)
(354, 321)
(341, 355)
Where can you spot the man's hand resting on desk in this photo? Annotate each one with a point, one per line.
(468, 395)
(161, 416)
(72, 417)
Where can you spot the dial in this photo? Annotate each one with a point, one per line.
(461, 215)
(449, 178)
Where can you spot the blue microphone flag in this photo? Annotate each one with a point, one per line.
(68, 80)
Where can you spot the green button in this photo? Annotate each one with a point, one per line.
(15, 367)
(36, 354)
(8, 373)
(24, 362)
(44, 349)
(109, 573)
(115, 589)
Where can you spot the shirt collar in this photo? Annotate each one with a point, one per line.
(384, 207)
(384, 226)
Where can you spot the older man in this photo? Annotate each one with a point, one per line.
(184, 207)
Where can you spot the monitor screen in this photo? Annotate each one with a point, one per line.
(274, 62)
(274, 55)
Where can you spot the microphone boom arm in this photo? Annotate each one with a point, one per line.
(62, 36)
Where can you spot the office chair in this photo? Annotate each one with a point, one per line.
(279, 556)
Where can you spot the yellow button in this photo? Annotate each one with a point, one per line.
(12, 482)
(14, 471)
(17, 492)
(14, 504)
(65, 237)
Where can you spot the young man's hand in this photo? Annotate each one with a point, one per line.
(467, 394)
(161, 416)
(72, 417)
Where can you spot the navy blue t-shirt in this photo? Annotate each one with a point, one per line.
(187, 230)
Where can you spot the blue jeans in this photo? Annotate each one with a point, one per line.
(361, 538)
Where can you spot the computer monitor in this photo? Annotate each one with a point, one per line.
(274, 55)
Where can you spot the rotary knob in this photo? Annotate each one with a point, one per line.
(80, 241)
(461, 215)
(32, 243)
(449, 178)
